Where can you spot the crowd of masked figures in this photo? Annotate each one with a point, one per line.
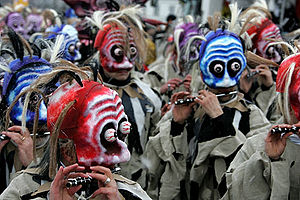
(105, 103)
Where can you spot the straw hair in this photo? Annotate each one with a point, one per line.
(54, 139)
(296, 43)
(254, 60)
(213, 22)
(35, 126)
(191, 40)
(127, 17)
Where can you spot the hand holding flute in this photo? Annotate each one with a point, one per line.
(206, 99)
(275, 141)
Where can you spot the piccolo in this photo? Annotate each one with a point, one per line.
(85, 180)
(277, 130)
(5, 137)
(192, 99)
(251, 74)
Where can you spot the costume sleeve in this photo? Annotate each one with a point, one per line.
(257, 121)
(166, 158)
(252, 175)
(264, 97)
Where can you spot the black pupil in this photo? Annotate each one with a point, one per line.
(133, 51)
(217, 68)
(117, 53)
(233, 67)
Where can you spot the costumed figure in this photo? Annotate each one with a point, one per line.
(70, 47)
(271, 157)
(258, 82)
(16, 21)
(21, 72)
(34, 22)
(88, 125)
(190, 154)
(121, 48)
(174, 73)
(50, 18)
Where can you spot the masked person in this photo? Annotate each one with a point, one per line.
(270, 159)
(87, 123)
(71, 43)
(258, 82)
(34, 22)
(194, 147)
(120, 44)
(17, 147)
(16, 21)
(174, 73)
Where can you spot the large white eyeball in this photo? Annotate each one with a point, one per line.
(125, 127)
(110, 135)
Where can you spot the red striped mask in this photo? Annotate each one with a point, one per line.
(117, 48)
(95, 123)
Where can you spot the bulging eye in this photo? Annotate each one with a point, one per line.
(133, 50)
(117, 53)
(110, 135)
(125, 127)
(78, 45)
(193, 49)
(33, 101)
(72, 48)
(235, 66)
(217, 68)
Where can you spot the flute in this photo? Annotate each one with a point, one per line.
(192, 99)
(84, 181)
(276, 130)
(251, 74)
(5, 137)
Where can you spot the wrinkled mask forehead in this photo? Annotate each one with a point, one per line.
(19, 82)
(269, 32)
(97, 117)
(118, 50)
(222, 61)
(71, 43)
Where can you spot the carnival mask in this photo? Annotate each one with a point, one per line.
(71, 42)
(95, 122)
(262, 35)
(33, 23)
(294, 87)
(117, 48)
(86, 7)
(221, 59)
(188, 31)
(16, 22)
(23, 74)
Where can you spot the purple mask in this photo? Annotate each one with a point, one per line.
(16, 22)
(188, 30)
(33, 23)
(87, 7)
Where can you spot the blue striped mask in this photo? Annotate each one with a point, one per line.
(23, 74)
(221, 59)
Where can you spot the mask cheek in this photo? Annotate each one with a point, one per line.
(295, 102)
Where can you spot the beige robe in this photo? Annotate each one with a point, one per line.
(252, 175)
(168, 172)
